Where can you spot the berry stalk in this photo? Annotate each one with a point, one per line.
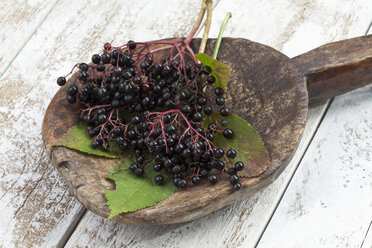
(219, 39)
(208, 22)
(198, 22)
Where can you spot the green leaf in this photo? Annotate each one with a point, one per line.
(77, 138)
(246, 142)
(133, 193)
(219, 70)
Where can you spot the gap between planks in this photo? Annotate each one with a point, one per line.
(324, 111)
(367, 237)
(71, 228)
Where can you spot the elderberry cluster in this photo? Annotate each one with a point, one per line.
(156, 109)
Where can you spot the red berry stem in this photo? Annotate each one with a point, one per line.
(195, 135)
(197, 23)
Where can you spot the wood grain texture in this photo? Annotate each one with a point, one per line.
(294, 27)
(274, 103)
(336, 68)
(36, 209)
(237, 225)
(342, 235)
(333, 184)
(305, 25)
(19, 20)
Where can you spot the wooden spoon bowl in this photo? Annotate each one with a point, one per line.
(266, 88)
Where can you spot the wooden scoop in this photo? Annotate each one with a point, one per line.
(268, 89)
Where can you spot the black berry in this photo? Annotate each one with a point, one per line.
(228, 133)
(139, 172)
(159, 179)
(212, 179)
(211, 79)
(83, 67)
(237, 186)
(195, 180)
(239, 166)
(61, 81)
(131, 45)
(231, 153)
(96, 58)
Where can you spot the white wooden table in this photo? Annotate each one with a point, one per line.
(322, 199)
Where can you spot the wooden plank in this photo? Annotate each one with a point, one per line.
(328, 202)
(36, 209)
(19, 20)
(241, 224)
(294, 27)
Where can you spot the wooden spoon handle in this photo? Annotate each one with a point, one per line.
(336, 68)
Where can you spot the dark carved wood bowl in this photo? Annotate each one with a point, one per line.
(266, 88)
